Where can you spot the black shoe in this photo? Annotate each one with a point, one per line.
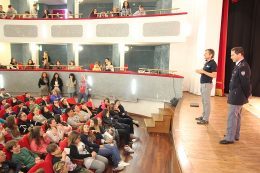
(226, 142)
(199, 118)
(237, 139)
(202, 122)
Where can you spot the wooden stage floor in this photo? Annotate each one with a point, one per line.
(197, 146)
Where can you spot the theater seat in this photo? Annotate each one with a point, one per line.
(50, 108)
(24, 142)
(16, 109)
(30, 116)
(64, 118)
(46, 166)
(71, 101)
(2, 113)
(21, 98)
(38, 101)
(91, 66)
(64, 143)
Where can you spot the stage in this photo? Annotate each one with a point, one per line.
(197, 146)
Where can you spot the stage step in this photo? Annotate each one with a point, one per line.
(165, 111)
(149, 122)
(157, 117)
(160, 122)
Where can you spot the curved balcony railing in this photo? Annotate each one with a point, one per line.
(107, 14)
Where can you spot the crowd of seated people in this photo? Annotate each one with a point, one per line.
(107, 66)
(35, 131)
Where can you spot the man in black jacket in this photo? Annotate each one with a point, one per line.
(239, 92)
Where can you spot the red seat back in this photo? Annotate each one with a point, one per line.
(24, 142)
(91, 66)
(21, 98)
(50, 108)
(30, 116)
(9, 101)
(27, 103)
(38, 101)
(8, 154)
(64, 118)
(2, 113)
(63, 144)
(46, 166)
(71, 101)
(16, 109)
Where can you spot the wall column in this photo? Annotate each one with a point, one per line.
(118, 3)
(76, 8)
(70, 53)
(116, 56)
(5, 51)
(71, 5)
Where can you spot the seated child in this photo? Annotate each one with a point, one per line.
(58, 156)
(22, 156)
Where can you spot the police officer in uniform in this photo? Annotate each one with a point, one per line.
(208, 72)
(239, 92)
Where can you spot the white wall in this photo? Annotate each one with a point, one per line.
(5, 4)
(5, 53)
(203, 30)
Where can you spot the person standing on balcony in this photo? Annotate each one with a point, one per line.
(11, 12)
(208, 72)
(46, 14)
(34, 11)
(126, 9)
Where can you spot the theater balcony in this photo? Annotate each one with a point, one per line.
(149, 29)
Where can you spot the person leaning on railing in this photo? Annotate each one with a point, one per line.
(11, 12)
(126, 9)
(58, 65)
(30, 65)
(97, 66)
(13, 64)
(46, 14)
(115, 12)
(140, 11)
(34, 11)
(93, 13)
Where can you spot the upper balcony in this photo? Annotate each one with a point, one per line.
(149, 29)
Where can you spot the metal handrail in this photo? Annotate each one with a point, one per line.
(156, 70)
(160, 10)
(52, 15)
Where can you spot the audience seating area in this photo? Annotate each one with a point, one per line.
(73, 116)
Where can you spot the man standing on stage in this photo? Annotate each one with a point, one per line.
(239, 92)
(208, 72)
